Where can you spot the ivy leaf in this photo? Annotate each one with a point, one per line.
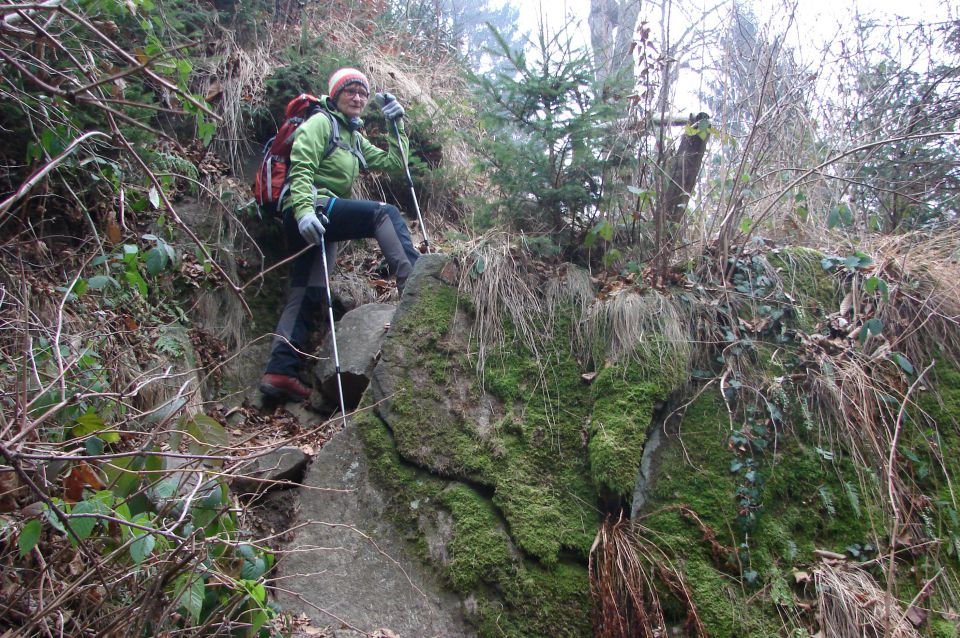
(872, 327)
(833, 219)
(189, 595)
(52, 517)
(101, 281)
(253, 569)
(94, 446)
(92, 423)
(142, 547)
(903, 362)
(29, 536)
(257, 591)
(134, 279)
(207, 433)
(909, 454)
(82, 526)
(157, 260)
(478, 267)
(259, 619)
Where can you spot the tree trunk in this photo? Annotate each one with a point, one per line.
(612, 24)
(684, 172)
(682, 178)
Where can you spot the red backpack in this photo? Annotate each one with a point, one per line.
(270, 183)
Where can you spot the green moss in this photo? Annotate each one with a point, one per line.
(624, 398)
(697, 472)
(936, 437)
(424, 428)
(723, 607)
(792, 518)
(401, 479)
(533, 460)
(815, 290)
(622, 414)
(549, 449)
(539, 602)
(434, 313)
(940, 628)
(480, 549)
(514, 597)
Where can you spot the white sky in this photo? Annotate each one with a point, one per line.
(817, 22)
(820, 17)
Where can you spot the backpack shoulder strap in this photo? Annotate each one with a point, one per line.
(336, 141)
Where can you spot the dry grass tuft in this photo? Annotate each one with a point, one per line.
(630, 325)
(923, 312)
(852, 605)
(235, 77)
(570, 293)
(628, 576)
(495, 275)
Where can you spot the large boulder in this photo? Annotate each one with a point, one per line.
(279, 468)
(348, 565)
(359, 335)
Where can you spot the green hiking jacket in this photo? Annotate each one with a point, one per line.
(310, 177)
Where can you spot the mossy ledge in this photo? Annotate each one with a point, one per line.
(505, 467)
(502, 484)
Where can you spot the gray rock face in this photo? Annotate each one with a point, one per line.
(276, 469)
(649, 466)
(350, 566)
(359, 335)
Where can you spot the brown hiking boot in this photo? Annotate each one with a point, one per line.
(280, 386)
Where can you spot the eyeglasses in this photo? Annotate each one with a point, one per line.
(361, 93)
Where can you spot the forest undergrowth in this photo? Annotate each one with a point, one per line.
(131, 264)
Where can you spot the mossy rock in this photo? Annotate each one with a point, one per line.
(502, 483)
(504, 466)
(735, 589)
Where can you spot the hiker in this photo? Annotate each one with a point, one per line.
(317, 204)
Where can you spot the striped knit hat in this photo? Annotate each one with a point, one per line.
(343, 77)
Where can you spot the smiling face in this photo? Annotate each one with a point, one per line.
(352, 100)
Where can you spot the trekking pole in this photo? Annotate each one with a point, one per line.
(333, 328)
(386, 98)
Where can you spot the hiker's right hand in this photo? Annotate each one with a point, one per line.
(311, 227)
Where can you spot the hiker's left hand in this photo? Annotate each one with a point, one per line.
(392, 109)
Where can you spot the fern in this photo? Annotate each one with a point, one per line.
(807, 416)
(168, 344)
(928, 524)
(175, 163)
(826, 498)
(853, 496)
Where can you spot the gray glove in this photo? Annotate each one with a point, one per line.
(391, 108)
(311, 227)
